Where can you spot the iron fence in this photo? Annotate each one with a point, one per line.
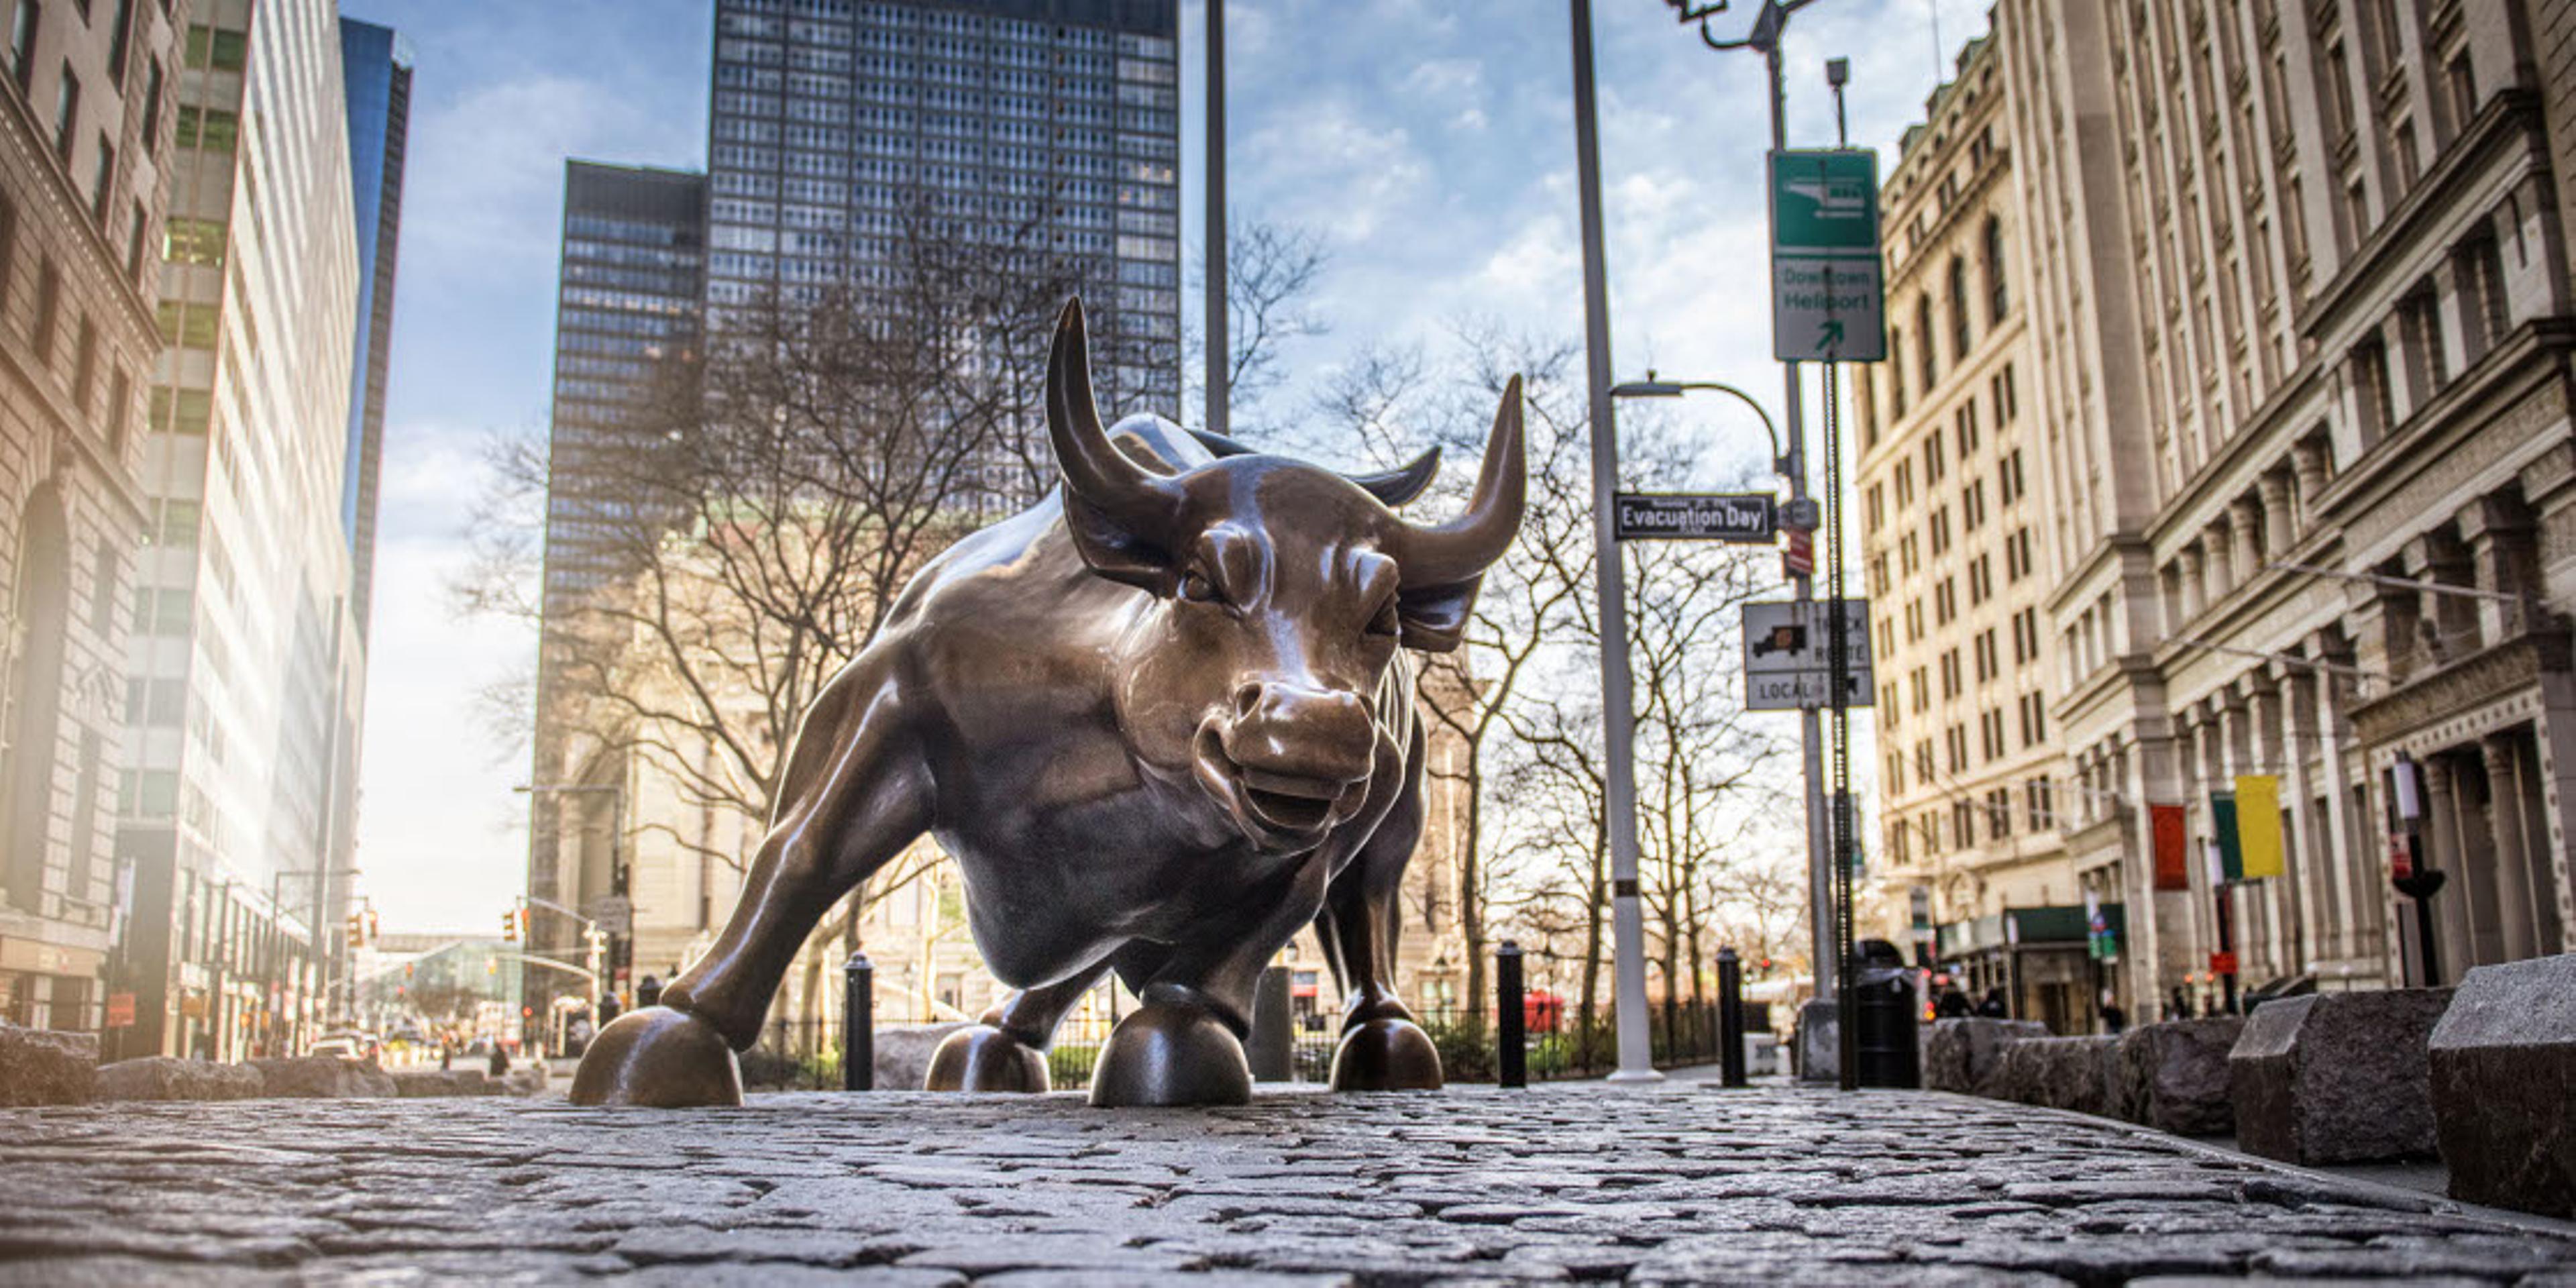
(1569, 1043)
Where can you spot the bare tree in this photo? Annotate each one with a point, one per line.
(773, 492)
(1271, 272)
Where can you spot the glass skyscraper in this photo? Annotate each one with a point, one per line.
(375, 73)
(1043, 131)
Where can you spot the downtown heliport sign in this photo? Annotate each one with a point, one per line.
(1828, 292)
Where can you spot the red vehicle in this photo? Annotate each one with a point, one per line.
(1542, 1011)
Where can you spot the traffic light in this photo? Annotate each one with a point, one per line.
(357, 931)
(510, 926)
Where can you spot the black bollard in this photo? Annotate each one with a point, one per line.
(1511, 1030)
(1730, 1018)
(649, 992)
(858, 1025)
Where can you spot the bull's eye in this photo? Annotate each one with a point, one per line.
(1197, 588)
(1386, 622)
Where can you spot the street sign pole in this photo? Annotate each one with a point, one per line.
(1618, 714)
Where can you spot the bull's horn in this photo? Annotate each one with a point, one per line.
(1403, 483)
(1467, 545)
(1134, 502)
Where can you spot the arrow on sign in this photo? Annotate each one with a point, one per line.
(1832, 336)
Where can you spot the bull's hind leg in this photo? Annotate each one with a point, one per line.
(1184, 1045)
(854, 795)
(1382, 1048)
(1006, 1051)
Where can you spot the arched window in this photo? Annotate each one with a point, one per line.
(1895, 373)
(1960, 338)
(43, 602)
(1996, 287)
(1926, 361)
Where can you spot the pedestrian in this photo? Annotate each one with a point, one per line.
(2113, 1018)
(1952, 1004)
(1994, 1007)
(2181, 1003)
(500, 1065)
(446, 1055)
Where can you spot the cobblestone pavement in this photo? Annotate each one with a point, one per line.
(1683, 1184)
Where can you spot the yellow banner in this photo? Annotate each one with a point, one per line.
(2258, 824)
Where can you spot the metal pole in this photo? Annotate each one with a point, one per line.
(1511, 1018)
(858, 1025)
(1219, 345)
(1618, 713)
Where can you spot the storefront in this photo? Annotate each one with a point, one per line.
(2049, 963)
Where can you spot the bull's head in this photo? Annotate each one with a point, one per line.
(1282, 593)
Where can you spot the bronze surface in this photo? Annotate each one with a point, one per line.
(1160, 721)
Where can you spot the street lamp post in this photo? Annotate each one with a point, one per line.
(1618, 714)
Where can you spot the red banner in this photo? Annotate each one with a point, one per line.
(2222, 963)
(2172, 837)
(120, 1010)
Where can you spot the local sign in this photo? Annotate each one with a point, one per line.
(1828, 295)
(1788, 654)
(1745, 518)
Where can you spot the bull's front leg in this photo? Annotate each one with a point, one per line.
(1382, 1048)
(855, 793)
(1184, 1045)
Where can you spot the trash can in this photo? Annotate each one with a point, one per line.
(1885, 1006)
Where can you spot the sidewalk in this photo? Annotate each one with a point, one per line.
(1679, 1182)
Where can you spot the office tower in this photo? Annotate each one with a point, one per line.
(244, 648)
(630, 293)
(85, 116)
(1043, 132)
(1958, 578)
(848, 141)
(2296, 329)
(375, 69)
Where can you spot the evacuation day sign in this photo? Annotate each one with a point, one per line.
(1828, 296)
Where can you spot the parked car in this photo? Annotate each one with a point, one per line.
(347, 1042)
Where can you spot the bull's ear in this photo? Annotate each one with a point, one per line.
(1433, 619)
(1401, 485)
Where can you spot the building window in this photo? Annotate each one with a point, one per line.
(120, 412)
(152, 107)
(134, 244)
(120, 41)
(22, 45)
(102, 183)
(1925, 359)
(49, 302)
(1960, 337)
(2378, 399)
(1998, 293)
(8, 246)
(66, 112)
(84, 366)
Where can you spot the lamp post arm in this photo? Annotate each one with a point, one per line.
(1779, 463)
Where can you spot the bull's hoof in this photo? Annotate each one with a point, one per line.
(1170, 1054)
(658, 1057)
(1386, 1055)
(980, 1057)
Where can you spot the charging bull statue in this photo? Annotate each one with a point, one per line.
(1161, 722)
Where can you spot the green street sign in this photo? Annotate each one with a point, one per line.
(1828, 294)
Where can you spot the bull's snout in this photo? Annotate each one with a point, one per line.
(1295, 751)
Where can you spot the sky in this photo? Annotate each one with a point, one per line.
(1428, 144)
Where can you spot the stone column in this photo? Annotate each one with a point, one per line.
(2275, 901)
(2320, 923)
(2195, 583)
(2438, 555)
(2250, 536)
(2504, 558)
(2517, 933)
(2358, 889)
(2554, 741)
(2280, 516)
(2441, 820)
(2218, 547)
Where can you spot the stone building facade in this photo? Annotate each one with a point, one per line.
(86, 100)
(1949, 484)
(2301, 320)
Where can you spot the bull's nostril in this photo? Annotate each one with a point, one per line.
(1246, 701)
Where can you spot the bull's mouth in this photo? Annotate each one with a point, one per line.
(1273, 810)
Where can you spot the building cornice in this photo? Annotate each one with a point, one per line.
(2253, 437)
(2527, 358)
(2512, 115)
(21, 130)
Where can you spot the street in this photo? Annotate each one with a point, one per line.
(1684, 1183)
